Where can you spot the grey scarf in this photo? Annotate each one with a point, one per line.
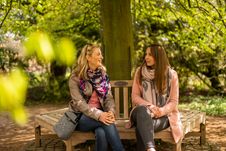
(150, 92)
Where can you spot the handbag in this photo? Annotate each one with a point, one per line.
(66, 124)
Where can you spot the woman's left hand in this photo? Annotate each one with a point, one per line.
(111, 116)
(156, 111)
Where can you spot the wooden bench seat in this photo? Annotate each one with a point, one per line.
(190, 120)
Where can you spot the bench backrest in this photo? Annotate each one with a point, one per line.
(121, 90)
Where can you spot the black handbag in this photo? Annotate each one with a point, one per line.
(66, 124)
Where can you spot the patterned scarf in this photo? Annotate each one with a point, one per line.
(99, 81)
(150, 92)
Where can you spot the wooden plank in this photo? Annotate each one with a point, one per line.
(203, 134)
(55, 111)
(121, 83)
(69, 146)
(177, 147)
(125, 103)
(43, 122)
(37, 136)
(193, 134)
(117, 103)
(50, 118)
(49, 136)
(81, 137)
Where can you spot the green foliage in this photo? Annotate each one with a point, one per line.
(9, 59)
(215, 105)
(79, 20)
(194, 36)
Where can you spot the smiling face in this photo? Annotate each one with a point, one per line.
(95, 59)
(150, 60)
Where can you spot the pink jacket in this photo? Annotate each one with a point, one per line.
(170, 109)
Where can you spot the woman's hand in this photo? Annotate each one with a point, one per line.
(107, 118)
(111, 116)
(156, 111)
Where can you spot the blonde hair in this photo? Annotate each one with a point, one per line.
(82, 63)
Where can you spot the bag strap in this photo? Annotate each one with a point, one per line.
(69, 119)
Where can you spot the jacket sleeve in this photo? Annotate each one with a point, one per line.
(109, 103)
(136, 92)
(78, 103)
(173, 99)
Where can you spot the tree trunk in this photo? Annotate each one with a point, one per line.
(117, 38)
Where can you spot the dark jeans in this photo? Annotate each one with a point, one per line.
(105, 134)
(146, 126)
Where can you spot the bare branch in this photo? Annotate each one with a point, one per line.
(219, 14)
(7, 13)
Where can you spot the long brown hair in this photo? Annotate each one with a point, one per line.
(82, 63)
(161, 67)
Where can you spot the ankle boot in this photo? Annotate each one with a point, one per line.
(151, 149)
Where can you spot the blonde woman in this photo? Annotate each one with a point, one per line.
(155, 94)
(91, 95)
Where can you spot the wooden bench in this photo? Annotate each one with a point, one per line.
(121, 90)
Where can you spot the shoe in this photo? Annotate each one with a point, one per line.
(151, 149)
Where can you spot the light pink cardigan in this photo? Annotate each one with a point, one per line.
(170, 109)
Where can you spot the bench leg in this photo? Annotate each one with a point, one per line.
(38, 136)
(69, 146)
(177, 146)
(203, 134)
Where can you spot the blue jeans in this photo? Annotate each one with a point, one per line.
(105, 134)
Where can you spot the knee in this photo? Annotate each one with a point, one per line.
(110, 129)
(100, 133)
(140, 110)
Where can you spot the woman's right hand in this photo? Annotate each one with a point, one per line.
(106, 118)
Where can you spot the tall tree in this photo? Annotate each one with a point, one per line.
(117, 37)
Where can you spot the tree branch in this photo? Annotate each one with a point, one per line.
(7, 13)
(219, 14)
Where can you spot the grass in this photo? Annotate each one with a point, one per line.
(212, 105)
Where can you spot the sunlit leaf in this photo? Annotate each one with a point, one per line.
(13, 89)
(19, 115)
(39, 43)
(65, 52)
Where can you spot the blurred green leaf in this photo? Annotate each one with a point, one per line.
(39, 43)
(65, 52)
(12, 94)
(19, 115)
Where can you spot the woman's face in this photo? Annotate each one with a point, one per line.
(95, 59)
(149, 58)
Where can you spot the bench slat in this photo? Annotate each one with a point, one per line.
(125, 102)
(117, 103)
